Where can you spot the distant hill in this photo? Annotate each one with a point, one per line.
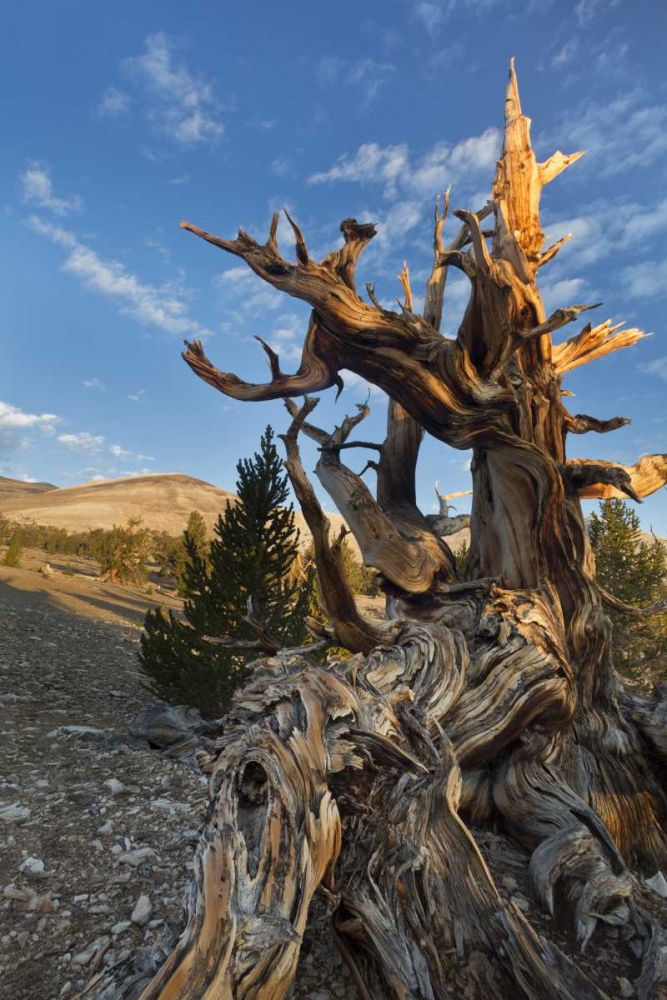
(10, 488)
(162, 501)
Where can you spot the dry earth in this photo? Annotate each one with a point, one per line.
(97, 830)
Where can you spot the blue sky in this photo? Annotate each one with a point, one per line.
(121, 119)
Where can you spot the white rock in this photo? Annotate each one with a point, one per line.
(13, 813)
(32, 866)
(626, 988)
(116, 849)
(106, 828)
(136, 858)
(658, 883)
(142, 911)
(120, 927)
(114, 785)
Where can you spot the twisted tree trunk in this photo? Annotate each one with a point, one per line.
(491, 699)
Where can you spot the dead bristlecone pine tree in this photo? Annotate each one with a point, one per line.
(489, 701)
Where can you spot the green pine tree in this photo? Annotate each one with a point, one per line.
(635, 572)
(14, 552)
(197, 534)
(250, 559)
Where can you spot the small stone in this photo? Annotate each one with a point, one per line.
(114, 785)
(142, 911)
(106, 828)
(626, 989)
(121, 927)
(658, 883)
(32, 866)
(136, 858)
(42, 783)
(116, 849)
(509, 883)
(97, 844)
(81, 897)
(23, 937)
(14, 813)
(521, 902)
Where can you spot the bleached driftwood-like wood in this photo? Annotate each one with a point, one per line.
(491, 699)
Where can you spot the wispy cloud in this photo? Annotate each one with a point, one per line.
(118, 452)
(586, 10)
(179, 104)
(148, 304)
(136, 396)
(393, 166)
(656, 367)
(93, 383)
(82, 441)
(647, 280)
(113, 103)
(15, 422)
(38, 190)
(367, 77)
(263, 124)
(181, 179)
(565, 54)
(623, 134)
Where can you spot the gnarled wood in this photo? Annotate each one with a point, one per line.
(494, 695)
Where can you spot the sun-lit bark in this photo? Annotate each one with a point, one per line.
(491, 699)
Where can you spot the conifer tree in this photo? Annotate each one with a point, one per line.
(196, 532)
(249, 565)
(635, 572)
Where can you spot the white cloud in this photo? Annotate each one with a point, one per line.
(38, 190)
(93, 383)
(150, 305)
(366, 76)
(14, 417)
(432, 15)
(563, 293)
(656, 367)
(136, 396)
(15, 423)
(181, 179)
(113, 104)
(645, 281)
(370, 164)
(180, 105)
(586, 10)
(620, 135)
(119, 452)
(565, 54)
(264, 124)
(392, 166)
(82, 441)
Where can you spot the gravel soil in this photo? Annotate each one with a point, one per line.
(97, 835)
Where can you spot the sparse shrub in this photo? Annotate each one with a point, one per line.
(14, 552)
(68, 571)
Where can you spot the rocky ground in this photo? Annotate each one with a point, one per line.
(96, 836)
(97, 831)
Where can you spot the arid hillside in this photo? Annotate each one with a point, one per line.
(11, 489)
(163, 502)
